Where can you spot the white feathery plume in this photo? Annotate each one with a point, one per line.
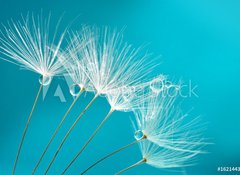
(112, 63)
(132, 97)
(164, 124)
(166, 140)
(159, 157)
(74, 61)
(75, 71)
(30, 44)
(126, 98)
(113, 66)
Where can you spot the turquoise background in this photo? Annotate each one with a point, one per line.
(198, 40)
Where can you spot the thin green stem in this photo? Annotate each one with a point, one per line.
(69, 131)
(132, 166)
(109, 155)
(26, 128)
(89, 140)
(56, 131)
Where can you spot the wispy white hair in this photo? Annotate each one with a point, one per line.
(127, 98)
(160, 157)
(73, 60)
(130, 98)
(112, 63)
(30, 44)
(165, 124)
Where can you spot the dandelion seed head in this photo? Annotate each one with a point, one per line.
(173, 136)
(74, 62)
(128, 98)
(28, 43)
(160, 157)
(165, 124)
(112, 63)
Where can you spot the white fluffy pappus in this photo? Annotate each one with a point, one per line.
(127, 98)
(165, 125)
(74, 63)
(112, 63)
(130, 98)
(159, 157)
(30, 44)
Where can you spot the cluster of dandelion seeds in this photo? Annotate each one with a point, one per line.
(170, 140)
(100, 62)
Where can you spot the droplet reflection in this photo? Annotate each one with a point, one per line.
(138, 135)
(45, 80)
(75, 90)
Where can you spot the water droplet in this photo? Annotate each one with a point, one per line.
(168, 84)
(75, 90)
(45, 80)
(138, 135)
(156, 86)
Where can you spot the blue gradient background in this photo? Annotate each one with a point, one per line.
(198, 40)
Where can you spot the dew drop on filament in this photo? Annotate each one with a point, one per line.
(138, 135)
(75, 90)
(45, 80)
(168, 84)
(156, 86)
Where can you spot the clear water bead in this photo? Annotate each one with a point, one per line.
(156, 86)
(75, 90)
(138, 135)
(168, 84)
(45, 80)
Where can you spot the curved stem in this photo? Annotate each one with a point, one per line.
(69, 131)
(89, 140)
(132, 166)
(56, 131)
(109, 155)
(26, 128)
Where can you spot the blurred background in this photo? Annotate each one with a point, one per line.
(198, 41)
